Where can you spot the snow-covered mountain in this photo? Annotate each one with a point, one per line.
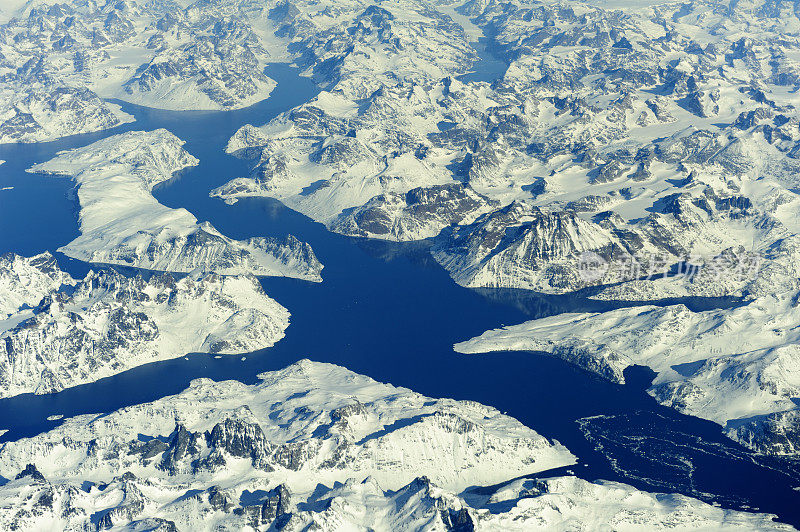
(31, 111)
(738, 367)
(417, 214)
(663, 133)
(26, 280)
(335, 154)
(122, 223)
(57, 332)
(57, 59)
(207, 55)
(521, 246)
(655, 132)
(658, 122)
(632, 138)
(357, 48)
(316, 446)
(661, 125)
(641, 137)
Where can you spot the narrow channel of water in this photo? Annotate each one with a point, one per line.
(388, 311)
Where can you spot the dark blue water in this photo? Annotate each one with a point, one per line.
(388, 311)
(490, 65)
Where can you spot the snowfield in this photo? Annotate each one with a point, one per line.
(738, 367)
(642, 135)
(122, 223)
(317, 446)
(57, 332)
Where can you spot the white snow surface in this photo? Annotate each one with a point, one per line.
(79, 331)
(31, 111)
(315, 445)
(727, 365)
(677, 147)
(336, 423)
(59, 61)
(157, 54)
(24, 281)
(122, 223)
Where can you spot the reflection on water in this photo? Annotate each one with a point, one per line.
(536, 305)
(386, 310)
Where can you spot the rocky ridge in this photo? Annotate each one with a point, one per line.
(122, 223)
(58, 57)
(59, 332)
(737, 367)
(314, 445)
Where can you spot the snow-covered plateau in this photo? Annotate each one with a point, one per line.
(314, 446)
(57, 332)
(122, 223)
